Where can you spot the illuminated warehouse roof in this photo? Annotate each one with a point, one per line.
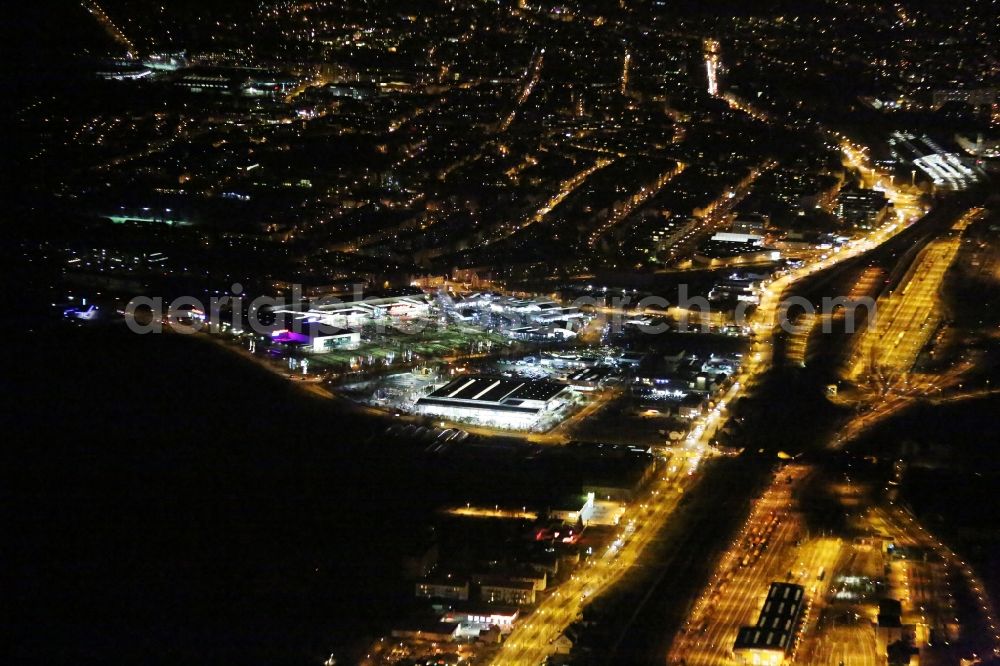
(776, 623)
(495, 393)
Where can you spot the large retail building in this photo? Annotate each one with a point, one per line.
(498, 401)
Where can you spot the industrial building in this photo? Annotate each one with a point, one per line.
(540, 333)
(501, 401)
(477, 616)
(861, 208)
(589, 379)
(508, 591)
(768, 642)
(538, 311)
(674, 232)
(738, 287)
(248, 81)
(945, 167)
(356, 313)
(750, 223)
(980, 146)
(985, 96)
(890, 630)
(443, 587)
(574, 509)
(730, 248)
(317, 338)
(427, 631)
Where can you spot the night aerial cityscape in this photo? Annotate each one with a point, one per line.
(502, 332)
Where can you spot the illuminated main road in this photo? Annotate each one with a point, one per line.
(566, 188)
(531, 640)
(534, 75)
(623, 210)
(711, 48)
(109, 26)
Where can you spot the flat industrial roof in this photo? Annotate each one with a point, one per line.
(489, 389)
(471, 405)
(777, 621)
(717, 249)
(755, 638)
